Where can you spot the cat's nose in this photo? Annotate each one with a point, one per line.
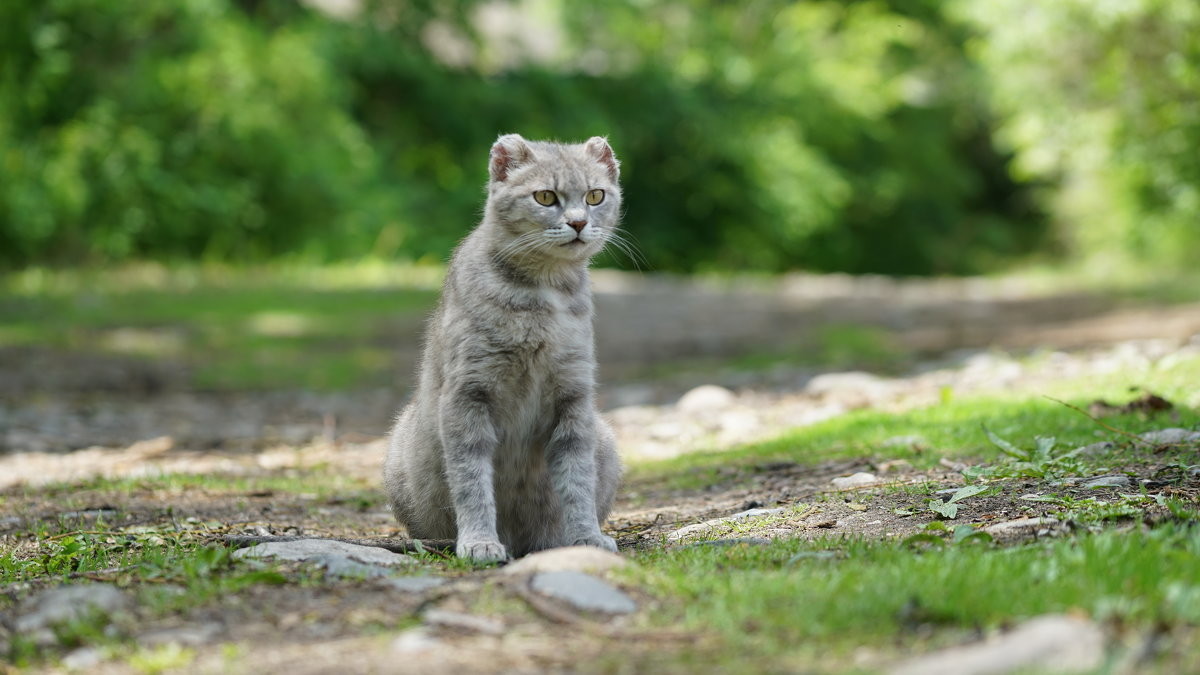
(578, 225)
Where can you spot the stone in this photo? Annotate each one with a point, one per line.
(732, 541)
(1113, 481)
(854, 480)
(466, 622)
(567, 558)
(414, 584)
(706, 398)
(1170, 436)
(84, 658)
(853, 382)
(583, 592)
(1020, 526)
(322, 551)
(190, 635)
(38, 614)
(348, 568)
(1053, 643)
(416, 640)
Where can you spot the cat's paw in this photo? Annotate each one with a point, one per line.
(598, 540)
(481, 551)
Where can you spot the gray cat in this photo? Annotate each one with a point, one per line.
(502, 447)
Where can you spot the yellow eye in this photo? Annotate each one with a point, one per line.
(545, 197)
(594, 197)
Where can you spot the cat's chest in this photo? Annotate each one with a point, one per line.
(544, 321)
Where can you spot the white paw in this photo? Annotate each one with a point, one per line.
(481, 551)
(598, 540)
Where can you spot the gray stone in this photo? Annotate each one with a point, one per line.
(854, 480)
(697, 528)
(706, 398)
(84, 658)
(1094, 449)
(38, 614)
(1052, 643)
(414, 584)
(321, 549)
(1170, 436)
(1020, 526)
(1114, 481)
(739, 541)
(348, 568)
(466, 622)
(583, 592)
(574, 558)
(190, 635)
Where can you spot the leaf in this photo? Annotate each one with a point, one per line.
(936, 526)
(1045, 445)
(966, 533)
(965, 492)
(904, 512)
(913, 540)
(947, 510)
(1005, 447)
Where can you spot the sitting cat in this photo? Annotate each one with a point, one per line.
(501, 447)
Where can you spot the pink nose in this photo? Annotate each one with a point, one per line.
(578, 224)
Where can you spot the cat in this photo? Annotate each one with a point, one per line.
(502, 447)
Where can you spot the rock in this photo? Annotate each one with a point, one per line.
(583, 592)
(348, 568)
(1114, 481)
(183, 635)
(568, 558)
(322, 551)
(1052, 643)
(1020, 526)
(706, 398)
(1094, 449)
(414, 584)
(854, 480)
(84, 658)
(467, 622)
(738, 541)
(854, 382)
(1170, 436)
(416, 640)
(38, 614)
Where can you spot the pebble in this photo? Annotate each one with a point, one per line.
(84, 658)
(709, 524)
(583, 592)
(38, 614)
(567, 558)
(467, 622)
(739, 541)
(1052, 643)
(416, 640)
(706, 398)
(854, 480)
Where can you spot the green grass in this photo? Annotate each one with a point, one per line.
(786, 605)
(260, 328)
(953, 428)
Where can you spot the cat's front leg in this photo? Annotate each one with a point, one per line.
(469, 442)
(572, 463)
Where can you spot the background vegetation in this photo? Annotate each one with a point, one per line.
(901, 136)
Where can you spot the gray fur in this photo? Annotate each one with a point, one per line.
(501, 447)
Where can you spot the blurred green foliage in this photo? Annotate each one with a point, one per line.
(900, 136)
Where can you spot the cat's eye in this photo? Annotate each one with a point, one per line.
(545, 197)
(594, 197)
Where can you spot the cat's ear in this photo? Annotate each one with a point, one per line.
(598, 147)
(509, 152)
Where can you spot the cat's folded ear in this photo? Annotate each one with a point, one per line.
(509, 152)
(598, 147)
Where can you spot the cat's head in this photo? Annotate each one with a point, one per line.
(553, 201)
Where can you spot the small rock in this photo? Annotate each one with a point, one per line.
(583, 592)
(1019, 526)
(1052, 643)
(416, 640)
(414, 584)
(1093, 449)
(38, 614)
(1170, 436)
(853, 382)
(706, 398)
(84, 658)
(854, 480)
(709, 524)
(183, 635)
(740, 541)
(321, 550)
(1114, 481)
(467, 622)
(573, 558)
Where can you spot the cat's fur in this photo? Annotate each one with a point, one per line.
(502, 447)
